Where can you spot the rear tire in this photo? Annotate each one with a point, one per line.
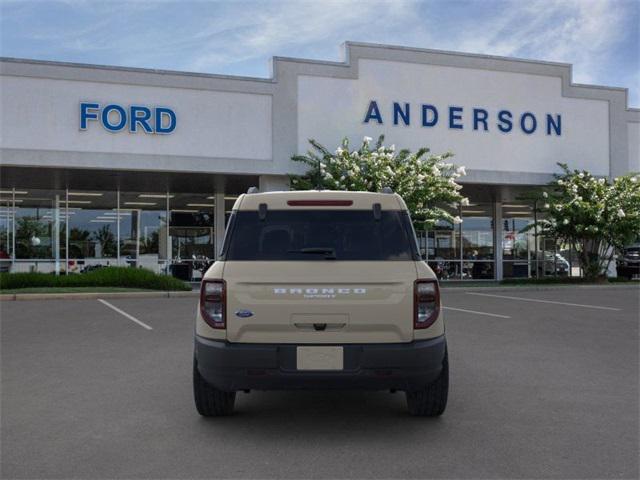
(211, 402)
(432, 400)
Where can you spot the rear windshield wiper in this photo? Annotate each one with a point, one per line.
(330, 253)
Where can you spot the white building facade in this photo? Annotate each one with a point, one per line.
(119, 166)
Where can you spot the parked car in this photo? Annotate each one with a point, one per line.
(315, 290)
(628, 262)
(553, 264)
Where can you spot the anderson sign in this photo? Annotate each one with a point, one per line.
(460, 118)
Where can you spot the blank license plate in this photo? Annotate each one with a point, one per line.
(320, 358)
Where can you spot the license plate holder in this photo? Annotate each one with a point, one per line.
(320, 358)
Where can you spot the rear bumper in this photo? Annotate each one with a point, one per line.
(399, 366)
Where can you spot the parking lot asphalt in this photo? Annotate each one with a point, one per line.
(543, 385)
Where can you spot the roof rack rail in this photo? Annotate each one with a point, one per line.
(387, 190)
(253, 190)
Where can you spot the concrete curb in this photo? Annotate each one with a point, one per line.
(94, 295)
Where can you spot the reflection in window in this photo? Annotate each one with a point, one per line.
(477, 233)
(92, 229)
(143, 229)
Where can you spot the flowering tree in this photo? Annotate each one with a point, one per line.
(595, 216)
(426, 182)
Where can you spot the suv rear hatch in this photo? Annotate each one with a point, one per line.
(320, 276)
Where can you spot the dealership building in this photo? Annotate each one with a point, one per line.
(105, 165)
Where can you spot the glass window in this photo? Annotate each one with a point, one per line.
(92, 229)
(38, 226)
(144, 229)
(6, 230)
(477, 232)
(518, 240)
(443, 242)
(192, 227)
(321, 235)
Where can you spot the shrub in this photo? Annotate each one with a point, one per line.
(126, 277)
(593, 215)
(426, 182)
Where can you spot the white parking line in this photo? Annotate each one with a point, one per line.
(477, 313)
(523, 299)
(125, 314)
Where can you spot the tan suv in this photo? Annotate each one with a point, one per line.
(315, 290)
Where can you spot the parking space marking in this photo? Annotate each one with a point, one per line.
(125, 314)
(523, 299)
(476, 313)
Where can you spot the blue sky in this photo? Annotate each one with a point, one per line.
(600, 38)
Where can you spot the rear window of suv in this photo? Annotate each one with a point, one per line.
(320, 235)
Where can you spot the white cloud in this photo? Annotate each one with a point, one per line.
(277, 26)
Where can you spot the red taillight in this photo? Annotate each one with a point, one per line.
(213, 299)
(426, 303)
(319, 203)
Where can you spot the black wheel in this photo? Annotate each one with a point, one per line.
(211, 402)
(432, 401)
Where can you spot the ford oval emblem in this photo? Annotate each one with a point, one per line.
(244, 313)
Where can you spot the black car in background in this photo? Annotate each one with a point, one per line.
(628, 263)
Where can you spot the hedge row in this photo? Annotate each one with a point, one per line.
(124, 277)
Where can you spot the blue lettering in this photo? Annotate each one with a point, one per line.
(399, 112)
(425, 115)
(139, 115)
(556, 125)
(523, 123)
(162, 112)
(505, 124)
(105, 118)
(373, 112)
(86, 114)
(455, 113)
(480, 116)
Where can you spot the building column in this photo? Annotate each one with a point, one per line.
(273, 183)
(218, 218)
(497, 239)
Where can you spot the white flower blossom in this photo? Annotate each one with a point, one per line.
(621, 213)
(339, 151)
(545, 195)
(546, 205)
(461, 170)
(464, 202)
(565, 221)
(367, 139)
(560, 182)
(392, 148)
(457, 220)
